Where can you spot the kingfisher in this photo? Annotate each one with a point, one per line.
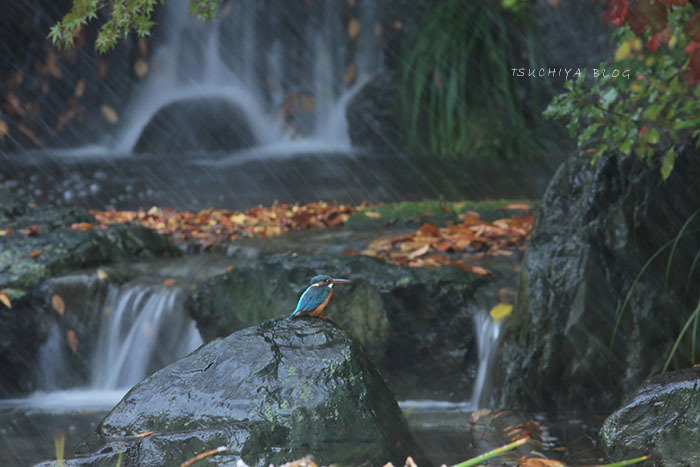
(316, 297)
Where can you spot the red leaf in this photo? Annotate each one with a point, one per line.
(637, 20)
(658, 16)
(692, 27)
(654, 43)
(641, 132)
(692, 73)
(616, 13)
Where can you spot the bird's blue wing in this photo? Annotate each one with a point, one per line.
(312, 297)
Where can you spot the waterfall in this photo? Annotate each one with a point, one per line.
(144, 329)
(288, 69)
(487, 332)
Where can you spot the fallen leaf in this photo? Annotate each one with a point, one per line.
(101, 274)
(143, 435)
(373, 214)
(109, 114)
(541, 463)
(478, 414)
(58, 304)
(81, 226)
(228, 268)
(5, 299)
(516, 207)
(169, 282)
(35, 254)
(350, 71)
(72, 340)
(419, 252)
(79, 88)
(479, 270)
(353, 28)
(141, 68)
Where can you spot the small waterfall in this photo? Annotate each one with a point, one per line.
(144, 329)
(289, 69)
(487, 332)
(140, 327)
(52, 360)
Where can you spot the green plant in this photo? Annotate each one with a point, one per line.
(458, 95)
(653, 102)
(694, 316)
(124, 16)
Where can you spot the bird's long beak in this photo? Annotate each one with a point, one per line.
(340, 281)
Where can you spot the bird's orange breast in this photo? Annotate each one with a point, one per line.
(319, 309)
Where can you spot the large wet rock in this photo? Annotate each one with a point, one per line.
(416, 324)
(661, 418)
(197, 125)
(597, 227)
(38, 244)
(271, 393)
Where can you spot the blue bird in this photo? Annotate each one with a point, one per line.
(316, 297)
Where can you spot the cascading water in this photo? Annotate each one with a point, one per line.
(145, 329)
(487, 332)
(289, 77)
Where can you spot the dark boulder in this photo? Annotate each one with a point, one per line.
(661, 418)
(597, 228)
(205, 125)
(416, 324)
(38, 243)
(271, 393)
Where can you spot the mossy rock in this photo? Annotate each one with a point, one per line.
(271, 393)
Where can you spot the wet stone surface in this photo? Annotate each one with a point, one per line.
(271, 393)
(661, 418)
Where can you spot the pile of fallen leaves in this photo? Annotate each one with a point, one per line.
(455, 245)
(212, 226)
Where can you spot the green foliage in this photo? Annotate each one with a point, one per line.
(652, 108)
(123, 16)
(694, 316)
(458, 96)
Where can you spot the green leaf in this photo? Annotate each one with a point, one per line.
(626, 147)
(652, 136)
(608, 97)
(667, 164)
(587, 133)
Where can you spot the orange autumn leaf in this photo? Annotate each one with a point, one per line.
(429, 229)
(35, 254)
(419, 252)
(72, 341)
(143, 435)
(5, 299)
(58, 304)
(81, 226)
(169, 282)
(541, 463)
